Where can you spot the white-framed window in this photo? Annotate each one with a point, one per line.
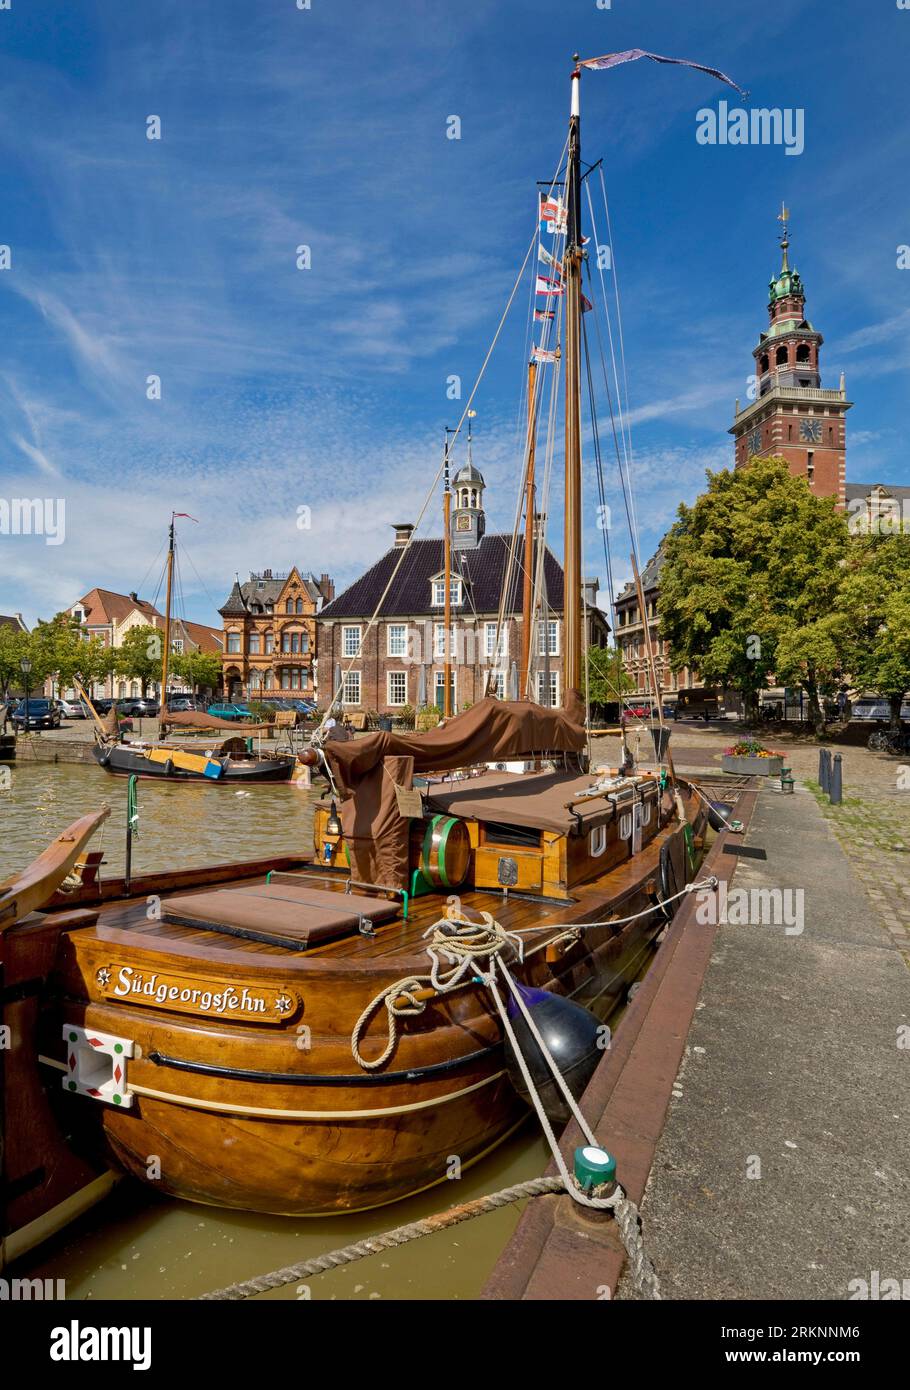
(439, 591)
(177, 646)
(350, 644)
(597, 841)
(548, 637)
(350, 688)
(625, 825)
(255, 641)
(548, 688)
(397, 687)
(397, 644)
(233, 643)
(439, 642)
(645, 812)
(489, 640)
(285, 680)
(498, 684)
(269, 643)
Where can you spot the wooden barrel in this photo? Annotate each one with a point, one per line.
(445, 852)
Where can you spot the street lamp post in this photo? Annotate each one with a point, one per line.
(26, 668)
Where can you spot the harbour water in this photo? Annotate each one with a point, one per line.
(137, 1246)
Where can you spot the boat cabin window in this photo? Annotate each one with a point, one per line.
(597, 841)
(625, 826)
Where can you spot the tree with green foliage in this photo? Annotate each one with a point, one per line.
(874, 611)
(13, 647)
(139, 655)
(607, 678)
(751, 578)
(200, 670)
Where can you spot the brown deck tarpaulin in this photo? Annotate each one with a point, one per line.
(535, 800)
(366, 770)
(197, 719)
(490, 731)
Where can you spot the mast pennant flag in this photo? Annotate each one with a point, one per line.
(613, 60)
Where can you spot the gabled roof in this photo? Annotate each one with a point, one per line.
(254, 593)
(103, 606)
(200, 635)
(852, 491)
(13, 620)
(483, 569)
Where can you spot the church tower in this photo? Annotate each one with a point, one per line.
(791, 415)
(468, 517)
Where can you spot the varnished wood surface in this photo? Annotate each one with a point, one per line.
(268, 1125)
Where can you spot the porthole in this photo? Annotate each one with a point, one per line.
(625, 826)
(597, 841)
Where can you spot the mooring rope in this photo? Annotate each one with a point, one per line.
(374, 1245)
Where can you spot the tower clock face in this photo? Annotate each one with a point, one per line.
(810, 431)
(462, 523)
(754, 441)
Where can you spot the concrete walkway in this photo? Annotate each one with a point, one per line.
(793, 1070)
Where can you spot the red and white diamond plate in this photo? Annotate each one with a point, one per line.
(97, 1065)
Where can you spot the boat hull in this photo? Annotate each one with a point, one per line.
(122, 762)
(279, 1118)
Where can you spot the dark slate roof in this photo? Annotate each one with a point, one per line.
(13, 620)
(244, 597)
(234, 606)
(483, 570)
(650, 577)
(861, 490)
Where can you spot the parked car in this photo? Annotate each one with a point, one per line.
(306, 707)
(637, 711)
(39, 714)
(238, 713)
(71, 709)
(138, 707)
(102, 705)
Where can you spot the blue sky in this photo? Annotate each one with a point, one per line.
(326, 388)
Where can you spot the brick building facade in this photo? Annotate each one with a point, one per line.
(270, 634)
(399, 661)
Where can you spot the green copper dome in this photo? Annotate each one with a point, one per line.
(788, 282)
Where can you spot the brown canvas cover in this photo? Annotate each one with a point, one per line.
(281, 914)
(490, 731)
(366, 770)
(536, 800)
(376, 833)
(198, 719)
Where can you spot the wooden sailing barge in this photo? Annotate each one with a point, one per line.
(285, 1036)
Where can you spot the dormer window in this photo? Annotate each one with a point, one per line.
(439, 591)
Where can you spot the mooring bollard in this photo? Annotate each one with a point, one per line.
(837, 786)
(824, 768)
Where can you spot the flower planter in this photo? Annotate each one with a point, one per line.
(752, 767)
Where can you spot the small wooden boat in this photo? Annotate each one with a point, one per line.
(179, 764)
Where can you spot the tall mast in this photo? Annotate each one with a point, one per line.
(447, 566)
(167, 618)
(527, 592)
(572, 282)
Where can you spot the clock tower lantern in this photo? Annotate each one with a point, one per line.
(789, 414)
(468, 518)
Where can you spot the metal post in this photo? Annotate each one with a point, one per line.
(132, 823)
(837, 786)
(824, 768)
